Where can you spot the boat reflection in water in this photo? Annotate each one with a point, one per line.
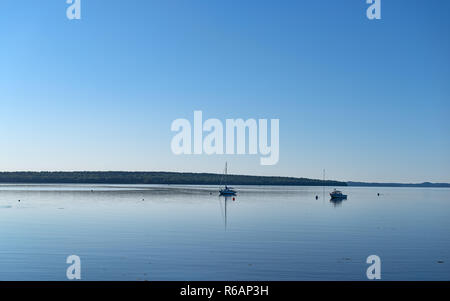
(336, 202)
(223, 207)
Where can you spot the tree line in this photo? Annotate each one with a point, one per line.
(121, 177)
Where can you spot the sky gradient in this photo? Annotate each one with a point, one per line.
(366, 100)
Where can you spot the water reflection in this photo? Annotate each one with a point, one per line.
(177, 232)
(337, 202)
(223, 201)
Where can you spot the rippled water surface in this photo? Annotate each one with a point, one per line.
(170, 232)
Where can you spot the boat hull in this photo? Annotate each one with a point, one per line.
(227, 192)
(336, 197)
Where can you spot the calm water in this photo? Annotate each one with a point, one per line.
(160, 232)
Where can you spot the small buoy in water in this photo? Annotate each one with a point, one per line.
(233, 198)
(19, 200)
(317, 197)
(378, 194)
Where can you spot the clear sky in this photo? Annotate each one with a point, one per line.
(366, 100)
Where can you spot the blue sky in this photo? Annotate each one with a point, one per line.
(366, 100)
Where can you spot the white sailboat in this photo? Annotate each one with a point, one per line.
(226, 191)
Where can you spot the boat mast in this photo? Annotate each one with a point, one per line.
(323, 185)
(226, 169)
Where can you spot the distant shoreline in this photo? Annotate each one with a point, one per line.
(180, 178)
(423, 185)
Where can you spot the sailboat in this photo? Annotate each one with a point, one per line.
(226, 191)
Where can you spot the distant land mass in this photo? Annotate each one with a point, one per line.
(156, 177)
(123, 177)
(424, 184)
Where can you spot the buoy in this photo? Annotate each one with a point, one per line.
(317, 197)
(233, 199)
